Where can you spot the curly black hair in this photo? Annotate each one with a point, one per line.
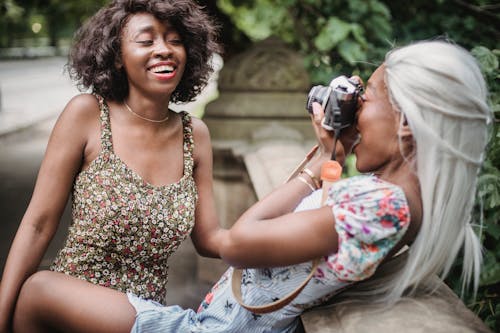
(96, 50)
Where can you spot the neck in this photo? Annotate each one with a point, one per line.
(396, 171)
(148, 103)
(147, 110)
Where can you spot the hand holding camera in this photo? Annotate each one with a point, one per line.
(339, 101)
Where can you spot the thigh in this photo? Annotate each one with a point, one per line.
(66, 304)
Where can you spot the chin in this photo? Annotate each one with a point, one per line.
(360, 167)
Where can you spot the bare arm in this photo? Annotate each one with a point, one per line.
(207, 234)
(271, 234)
(62, 161)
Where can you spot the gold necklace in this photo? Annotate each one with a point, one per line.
(144, 118)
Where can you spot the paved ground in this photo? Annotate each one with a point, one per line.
(32, 91)
(32, 94)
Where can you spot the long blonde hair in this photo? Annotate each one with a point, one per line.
(439, 88)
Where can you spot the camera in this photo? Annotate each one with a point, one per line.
(339, 100)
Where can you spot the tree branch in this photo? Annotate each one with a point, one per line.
(479, 12)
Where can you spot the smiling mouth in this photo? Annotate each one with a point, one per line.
(164, 69)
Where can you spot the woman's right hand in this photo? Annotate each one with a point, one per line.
(350, 135)
(325, 137)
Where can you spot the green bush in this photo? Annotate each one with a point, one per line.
(487, 209)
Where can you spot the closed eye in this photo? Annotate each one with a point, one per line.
(145, 42)
(175, 41)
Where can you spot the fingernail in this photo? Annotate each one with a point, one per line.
(315, 109)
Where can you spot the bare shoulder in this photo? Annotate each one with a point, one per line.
(79, 120)
(201, 134)
(201, 137)
(80, 114)
(200, 129)
(82, 107)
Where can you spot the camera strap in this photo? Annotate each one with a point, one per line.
(330, 172)
(302, 163)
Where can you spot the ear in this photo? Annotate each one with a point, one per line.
(404, 130)
(118, 63)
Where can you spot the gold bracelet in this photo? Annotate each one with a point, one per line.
(314, 179)
(302, 179)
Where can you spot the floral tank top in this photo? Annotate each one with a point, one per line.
(125, 229)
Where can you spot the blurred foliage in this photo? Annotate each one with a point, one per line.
(333, 36)
(351, 37)
(487, 210)
(9, 10)
(58, 18)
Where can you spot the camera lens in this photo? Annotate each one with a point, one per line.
(316, 94)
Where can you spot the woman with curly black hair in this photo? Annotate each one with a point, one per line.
(140, 174)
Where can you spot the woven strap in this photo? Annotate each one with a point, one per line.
(278, 304)
(303, 163)
(273, 306)
(237, 273)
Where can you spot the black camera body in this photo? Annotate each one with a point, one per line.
(339, 100)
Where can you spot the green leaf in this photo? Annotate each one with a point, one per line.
(493, 230)
(351, 51)
(331, 34)
(491, 270)
(487, 59)
(384, 29)
(380, 9)
(13, 11)
(358, 33)
(489, 187)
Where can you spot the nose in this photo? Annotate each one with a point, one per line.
(162, 49)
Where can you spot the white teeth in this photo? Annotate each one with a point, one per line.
(163, 68)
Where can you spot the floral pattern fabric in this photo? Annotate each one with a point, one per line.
(371, 217)
(124, 229)
(369, 220)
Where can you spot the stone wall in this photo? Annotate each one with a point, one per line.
(262, 95)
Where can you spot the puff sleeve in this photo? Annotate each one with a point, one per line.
(371, 216)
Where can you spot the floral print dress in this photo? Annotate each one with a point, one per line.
(124, 229)
(371, 217)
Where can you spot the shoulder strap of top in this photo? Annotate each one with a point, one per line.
(106, 139)
(187, 126)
